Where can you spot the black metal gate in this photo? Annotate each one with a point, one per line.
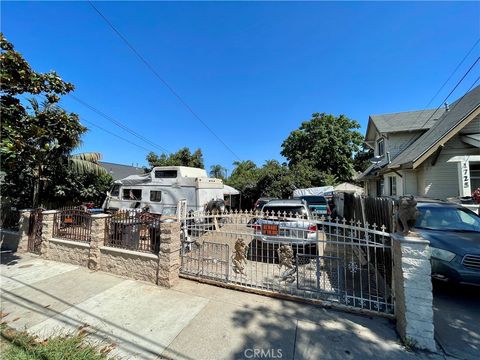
(35, 231)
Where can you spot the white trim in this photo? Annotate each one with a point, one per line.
(464, 158)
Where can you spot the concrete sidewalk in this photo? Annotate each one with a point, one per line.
(190, 321)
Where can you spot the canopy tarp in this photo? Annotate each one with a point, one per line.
(350, 188)
(228, 190)
(134, 180)
(322, 190)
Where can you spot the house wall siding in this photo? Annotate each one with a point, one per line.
(397, 142)
(439, 181)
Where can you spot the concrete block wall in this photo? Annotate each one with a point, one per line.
(413, 291)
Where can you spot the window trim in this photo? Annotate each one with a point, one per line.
(166, 171)
(155, 191)
(381, 141)
(128, 198)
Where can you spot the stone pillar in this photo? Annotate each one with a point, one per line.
(169, 255)
(23, 228)
(413, 291)
(47, 231)
(99, 226)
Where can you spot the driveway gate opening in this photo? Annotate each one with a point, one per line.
(323, 259)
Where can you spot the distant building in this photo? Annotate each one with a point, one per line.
(120, 171)
(426, 153)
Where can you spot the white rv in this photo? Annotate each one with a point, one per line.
(162, 188)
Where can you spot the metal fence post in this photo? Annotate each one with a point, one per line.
(48, 223)
(99, 223)
(413, 291)
(169, 254)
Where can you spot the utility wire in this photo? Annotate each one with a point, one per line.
(152, 69)
(451, 75)
(454, 88)
(113, 134)
(118, 123)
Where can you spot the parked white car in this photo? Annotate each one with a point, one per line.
(285, 221)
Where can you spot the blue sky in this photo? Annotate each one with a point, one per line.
(252, 71)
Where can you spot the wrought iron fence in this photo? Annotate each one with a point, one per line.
(10, 217)
(134, 230)
(326, 259)
(73, 224)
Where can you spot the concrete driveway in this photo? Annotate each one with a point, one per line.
(190, 321)
(457, 320)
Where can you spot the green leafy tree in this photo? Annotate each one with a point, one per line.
(244, 178)
(183, 157)
(35, 139)
(361, 160)
(328, 142)
(218, 171)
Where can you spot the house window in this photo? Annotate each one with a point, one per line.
(380, 187)
(155, 196)
(165, 174)
(392, 185)
(474, 176)
(132, 194)
(381, 147)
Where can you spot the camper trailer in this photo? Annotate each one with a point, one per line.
(162, 188)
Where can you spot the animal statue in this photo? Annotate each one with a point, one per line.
(285, 256)
(406, 214)
(215, 206)
(239, 257)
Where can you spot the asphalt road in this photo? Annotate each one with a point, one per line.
(457, 320)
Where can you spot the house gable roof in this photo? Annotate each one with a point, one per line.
(461, 112)
(120, 171)
(402, 121)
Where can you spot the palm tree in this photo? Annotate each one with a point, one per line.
(218, 171)
(83, 163)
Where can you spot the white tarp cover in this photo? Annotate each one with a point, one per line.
(134, 180)
(228, 190)
(347, 187)
(322, 190)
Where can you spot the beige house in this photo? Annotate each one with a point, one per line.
(432, 153)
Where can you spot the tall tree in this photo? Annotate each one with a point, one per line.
(244, 178)
(328, 142)
(218, 171)
(183, 157)
(35, 139)
(361, 159)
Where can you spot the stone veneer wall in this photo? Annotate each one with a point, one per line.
(413, 291)
(71, 252)
(161, 269)
(131, 264)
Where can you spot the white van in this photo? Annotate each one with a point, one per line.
(162, 188)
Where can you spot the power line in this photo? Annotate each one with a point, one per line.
(118, 123)
(449, 78)
(113, 134)
(454, 88)
(169, 87)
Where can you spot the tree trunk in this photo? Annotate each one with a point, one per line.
(36, 188)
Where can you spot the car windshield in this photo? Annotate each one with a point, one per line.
(315, 200)
(294, 210)
(447, 218)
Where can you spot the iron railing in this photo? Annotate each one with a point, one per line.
(134, 230)
(73, 224)
(326, 259)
